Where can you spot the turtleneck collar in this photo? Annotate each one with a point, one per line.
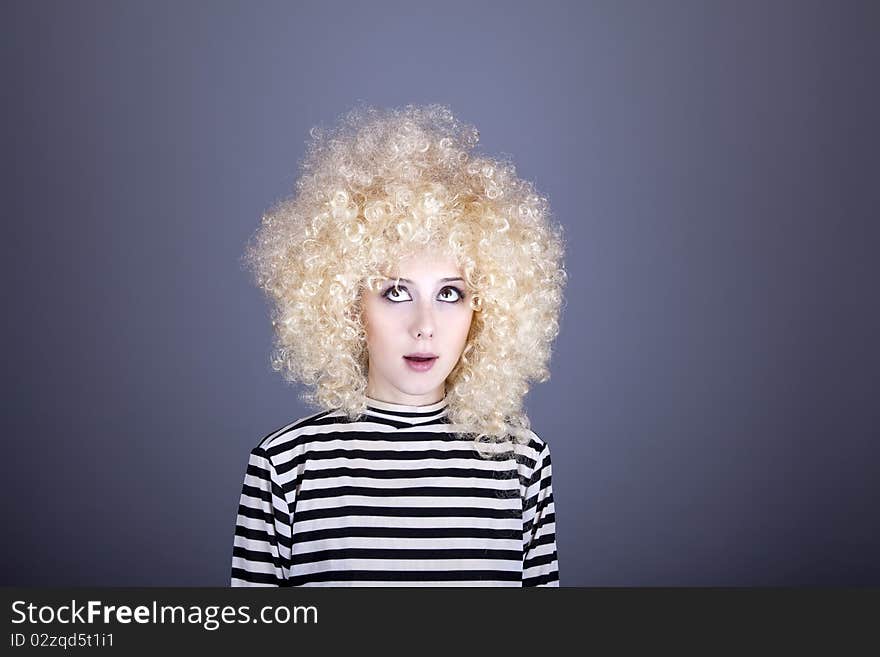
(406, 413)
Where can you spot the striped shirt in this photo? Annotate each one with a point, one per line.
(395, 498)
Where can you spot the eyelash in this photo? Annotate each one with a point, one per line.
(448, 287)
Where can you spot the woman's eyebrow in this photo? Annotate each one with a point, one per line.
(442, 280)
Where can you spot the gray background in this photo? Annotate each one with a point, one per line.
(712, 411)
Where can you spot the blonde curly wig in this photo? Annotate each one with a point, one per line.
(383, 184)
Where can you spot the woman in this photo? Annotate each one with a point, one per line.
(415, 288)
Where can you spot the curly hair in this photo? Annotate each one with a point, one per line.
(382, 184)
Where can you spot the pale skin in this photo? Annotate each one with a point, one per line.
(429, 312)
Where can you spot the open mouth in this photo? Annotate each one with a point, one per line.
(420, 363)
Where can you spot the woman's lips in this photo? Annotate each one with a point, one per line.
(420, 365)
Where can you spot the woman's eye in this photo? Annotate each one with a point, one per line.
(458, 296)
(394, 291)
(449, 294)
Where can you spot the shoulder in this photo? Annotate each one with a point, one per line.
(286, 437)
(529, 442)
(531, 450)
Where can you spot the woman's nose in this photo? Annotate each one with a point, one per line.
(423, 324)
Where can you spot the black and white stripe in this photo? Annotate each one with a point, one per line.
(396, 498)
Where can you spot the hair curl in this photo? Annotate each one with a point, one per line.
(378, 186)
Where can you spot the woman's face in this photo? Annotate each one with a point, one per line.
(425, 314)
